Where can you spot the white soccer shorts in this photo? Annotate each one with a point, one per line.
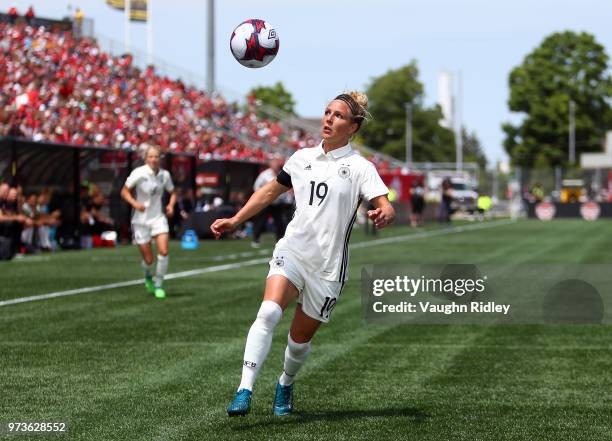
(317, 296)
(144, 232)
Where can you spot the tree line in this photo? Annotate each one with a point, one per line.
(566, 69)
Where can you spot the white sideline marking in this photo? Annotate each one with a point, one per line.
(432, 233)
(136, 259)
(212, 269)
(73, 292)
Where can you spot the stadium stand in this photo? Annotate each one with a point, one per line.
(61, 89)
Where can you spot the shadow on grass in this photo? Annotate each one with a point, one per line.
(410, 413)
(177, 294)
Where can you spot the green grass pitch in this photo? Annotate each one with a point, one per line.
(120, 365)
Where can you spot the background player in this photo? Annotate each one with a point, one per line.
(276, 209)
(148, 220)
(310, 263)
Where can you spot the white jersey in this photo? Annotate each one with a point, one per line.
(329, 188)
(265, 177)
(149, 191)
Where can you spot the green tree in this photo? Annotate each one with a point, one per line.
(566, 66)
(275, 96)
(472, 149)
(386, 132)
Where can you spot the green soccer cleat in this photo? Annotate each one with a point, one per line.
(150, 285)
(283, 400)
(160, 293)
(241, 404)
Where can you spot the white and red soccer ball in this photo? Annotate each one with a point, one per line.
(254, 43)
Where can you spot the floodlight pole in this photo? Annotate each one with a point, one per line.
(210, 65)
(572, 132)
(459, 123)
(150, 34)
(408, 107)
(494, 189)
(127, 11)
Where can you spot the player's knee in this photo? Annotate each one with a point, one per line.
(298, 349)
(163, 252)
(269, 314)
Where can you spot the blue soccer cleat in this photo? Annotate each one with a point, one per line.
(283, 400)
(241, 404)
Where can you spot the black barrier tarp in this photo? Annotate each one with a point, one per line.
(63, 168)
(569, 210)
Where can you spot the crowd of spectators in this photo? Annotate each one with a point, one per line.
(44, 220)
(28, 221)
(35, 221)
(58, 88)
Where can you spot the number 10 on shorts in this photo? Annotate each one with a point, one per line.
(327, 307)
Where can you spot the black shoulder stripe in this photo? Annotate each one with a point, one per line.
(284, 178)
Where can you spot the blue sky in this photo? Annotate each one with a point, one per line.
(329, 46)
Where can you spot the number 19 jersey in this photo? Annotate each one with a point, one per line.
(328, 187)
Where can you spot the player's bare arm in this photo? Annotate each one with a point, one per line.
(171, 203)
(383, 214)
(126, 194)
(257, 202)
(16, 218)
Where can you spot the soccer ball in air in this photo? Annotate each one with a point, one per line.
(254, 43)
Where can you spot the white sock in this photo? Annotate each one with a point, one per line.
(295, 356)
(161, 270)
(259, 341)
(148, 269)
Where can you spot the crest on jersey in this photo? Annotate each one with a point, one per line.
(344, 172)
(279, 262)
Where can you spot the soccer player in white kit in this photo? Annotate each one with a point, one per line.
(148, 219)
(310, 263)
